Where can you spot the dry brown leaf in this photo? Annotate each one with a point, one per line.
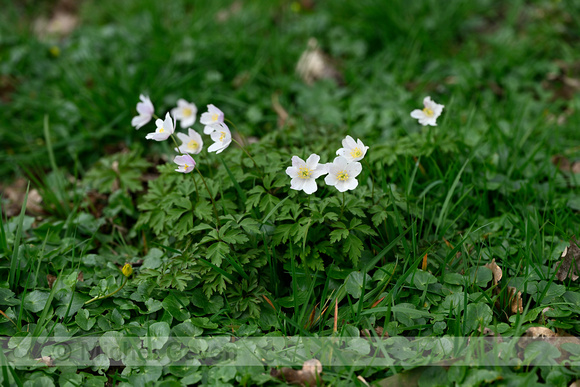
(280, 111)
(314, 65)
(46, 360)
(309, 375)
(575, 384)
(15, 194)
(50, 279)
(363, 381)
(496, 271)
(535, 332)
(570, 264)
(564, 164)
(515, 300)
(225, 14)
(563, 84)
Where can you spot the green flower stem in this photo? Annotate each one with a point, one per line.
(243, 147)
(342, 207)
(110, 294)
(204, 183)
(217, 218)
(250, 156)
(368, 165)
(194, 181)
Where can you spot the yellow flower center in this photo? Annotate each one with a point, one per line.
(428, 112)
(185, 166)
(223, 135)
(355, 153)
(192, 144)
(187, 112)
(214, 117)
(161, 130)
(304, 173)
(342, 176)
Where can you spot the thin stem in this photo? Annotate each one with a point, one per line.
(194, 181)
(372, 179)
(342, 207)
(217, 218)
(250, 156)
(236, 129)
(110, 294)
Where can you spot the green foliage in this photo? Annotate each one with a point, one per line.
(237, 252)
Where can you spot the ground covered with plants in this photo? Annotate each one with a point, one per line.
(318, 193)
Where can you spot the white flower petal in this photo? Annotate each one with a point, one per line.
(309, 186)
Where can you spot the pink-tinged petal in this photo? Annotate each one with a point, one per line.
(159, 122)
(427, 101)
(140, 121)
(224, 146)
(418, 114)
(205, 119)
(214, 147)
(310, 186)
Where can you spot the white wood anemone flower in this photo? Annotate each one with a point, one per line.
(185, 163)
(305, 173)
(190, 143)
(145, 110)
(222, 138)
(185, 112)
(165, 128)
(352, 151)
(429, 114)
(342, 174)
(211, 119)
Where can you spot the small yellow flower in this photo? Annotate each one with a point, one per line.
(127, 270)
(54, 51)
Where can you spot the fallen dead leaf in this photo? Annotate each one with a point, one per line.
(515, 300)
(565, 165)
(63, 21)
(309, 375)
(575, 384)
(225, 14)
(536, 332)
(15, 194)
(496, 271)
(50, 279)
(564, 83)
(46, 360)
(363, 381)
(569, 266)
(314, 65)
(280, 111)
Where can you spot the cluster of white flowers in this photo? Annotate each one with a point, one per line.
(191, 143)
(341, 173)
